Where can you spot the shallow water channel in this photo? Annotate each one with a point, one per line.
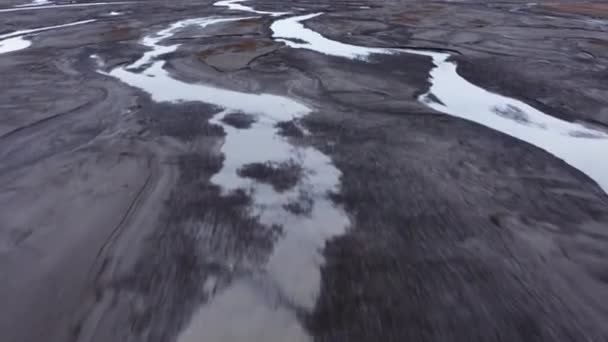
(576, 144)
(264, 307)
(290, 280)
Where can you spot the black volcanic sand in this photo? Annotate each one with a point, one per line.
(111, 228)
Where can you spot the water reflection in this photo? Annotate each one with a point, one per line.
(292, 272)
(580, 146)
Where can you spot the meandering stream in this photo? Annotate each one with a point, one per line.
(263, 308)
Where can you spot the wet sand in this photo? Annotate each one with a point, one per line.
(328, 171)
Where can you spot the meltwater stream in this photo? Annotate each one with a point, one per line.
(259, 307)
(16, 40)
(50, 5)
(236, 5)
(36, 3)
(262, 307)
(580, 146)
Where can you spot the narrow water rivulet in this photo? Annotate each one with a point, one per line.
(51, 5)
(36, 3)
(236, 5)
(576, 144)
(292, 271)
(16, 40)
(244, 311)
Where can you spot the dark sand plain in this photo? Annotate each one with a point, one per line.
(111, 228)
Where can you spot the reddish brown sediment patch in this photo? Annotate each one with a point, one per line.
(248, 45)
(599, 42)
(248, 22)
(121, 33)
(235, 55)
(415, 15)
(596, 9)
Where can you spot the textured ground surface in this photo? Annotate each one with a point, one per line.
(111, 228)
